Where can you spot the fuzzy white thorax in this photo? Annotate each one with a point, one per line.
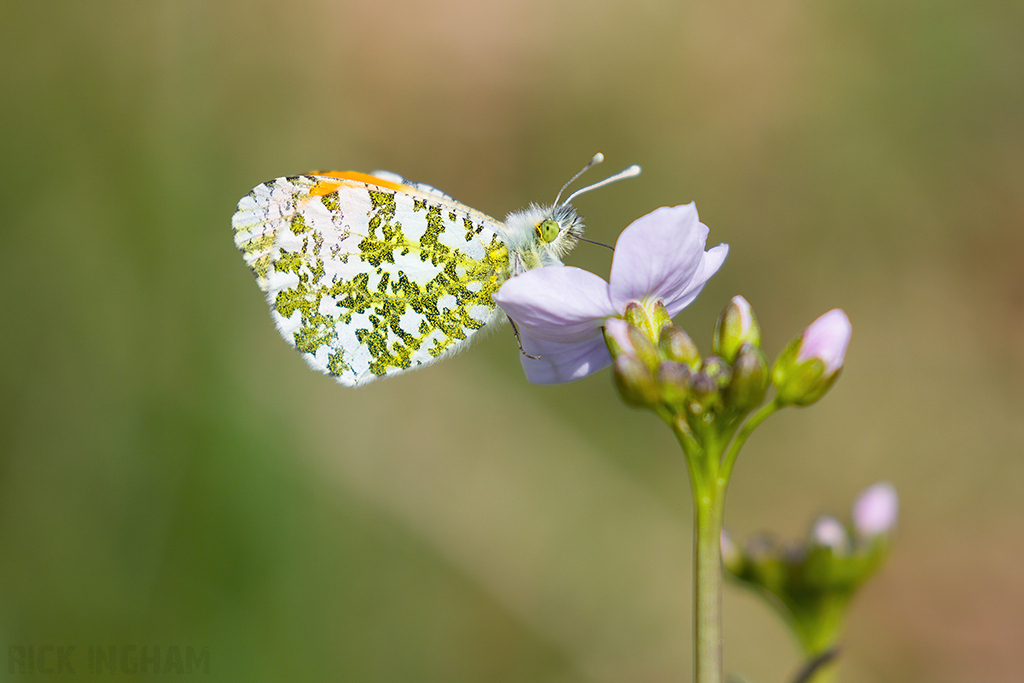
(526, 248)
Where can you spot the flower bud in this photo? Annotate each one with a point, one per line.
(826, 339)
(674, 379)
(732, 558)
(813, 582)
(808, 367)
(829, 532)
(616, 337)
(734, 328)
(706, 385)
(718, 370)
(676, 345)
(635, 382)
(764, 563)
(749, 379)
(623, 338)
(875, 510)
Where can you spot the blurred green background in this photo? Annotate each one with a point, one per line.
(172, 475)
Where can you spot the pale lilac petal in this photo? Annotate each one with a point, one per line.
(563, 362)
(827, 339)
(618, 330)
(876, 509)
(658, 255)
(712, 261)
(556, 303)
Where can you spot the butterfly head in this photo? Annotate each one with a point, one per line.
(540, 235)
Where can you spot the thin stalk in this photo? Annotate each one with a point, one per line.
(820, 669)
(707, 586)
(741, 438)
(708, 486)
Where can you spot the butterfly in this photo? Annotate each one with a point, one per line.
(371, 275)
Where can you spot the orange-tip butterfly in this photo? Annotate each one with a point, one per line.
(370, 275)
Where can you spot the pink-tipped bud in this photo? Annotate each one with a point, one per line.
(826, 339)
(735, 327)
(616, 336)
(876, 509)
(810, 364)
(625, 339)
(829, 532)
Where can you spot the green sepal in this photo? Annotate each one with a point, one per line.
(643, 347)
(613, 346)
(636, 315)
(660, 319)
(800, 384)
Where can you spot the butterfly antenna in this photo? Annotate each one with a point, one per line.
(600, 244)
(598, 158)
(630, 172)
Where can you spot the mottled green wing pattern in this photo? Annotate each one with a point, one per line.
(367, 277)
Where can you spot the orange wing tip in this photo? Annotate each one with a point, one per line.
(322, 187)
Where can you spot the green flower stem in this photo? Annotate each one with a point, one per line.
(709, 489)
(750, 425)
(827, 672)
(820, 669)
(707, 587)
(818, 626)
(709, 480)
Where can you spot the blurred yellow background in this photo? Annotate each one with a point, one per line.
(171, 473)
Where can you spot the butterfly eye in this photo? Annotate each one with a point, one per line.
(548, 229)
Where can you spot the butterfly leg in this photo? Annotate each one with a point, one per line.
(520, 341)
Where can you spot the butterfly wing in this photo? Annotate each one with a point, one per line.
(368, 277)
(422, 188)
